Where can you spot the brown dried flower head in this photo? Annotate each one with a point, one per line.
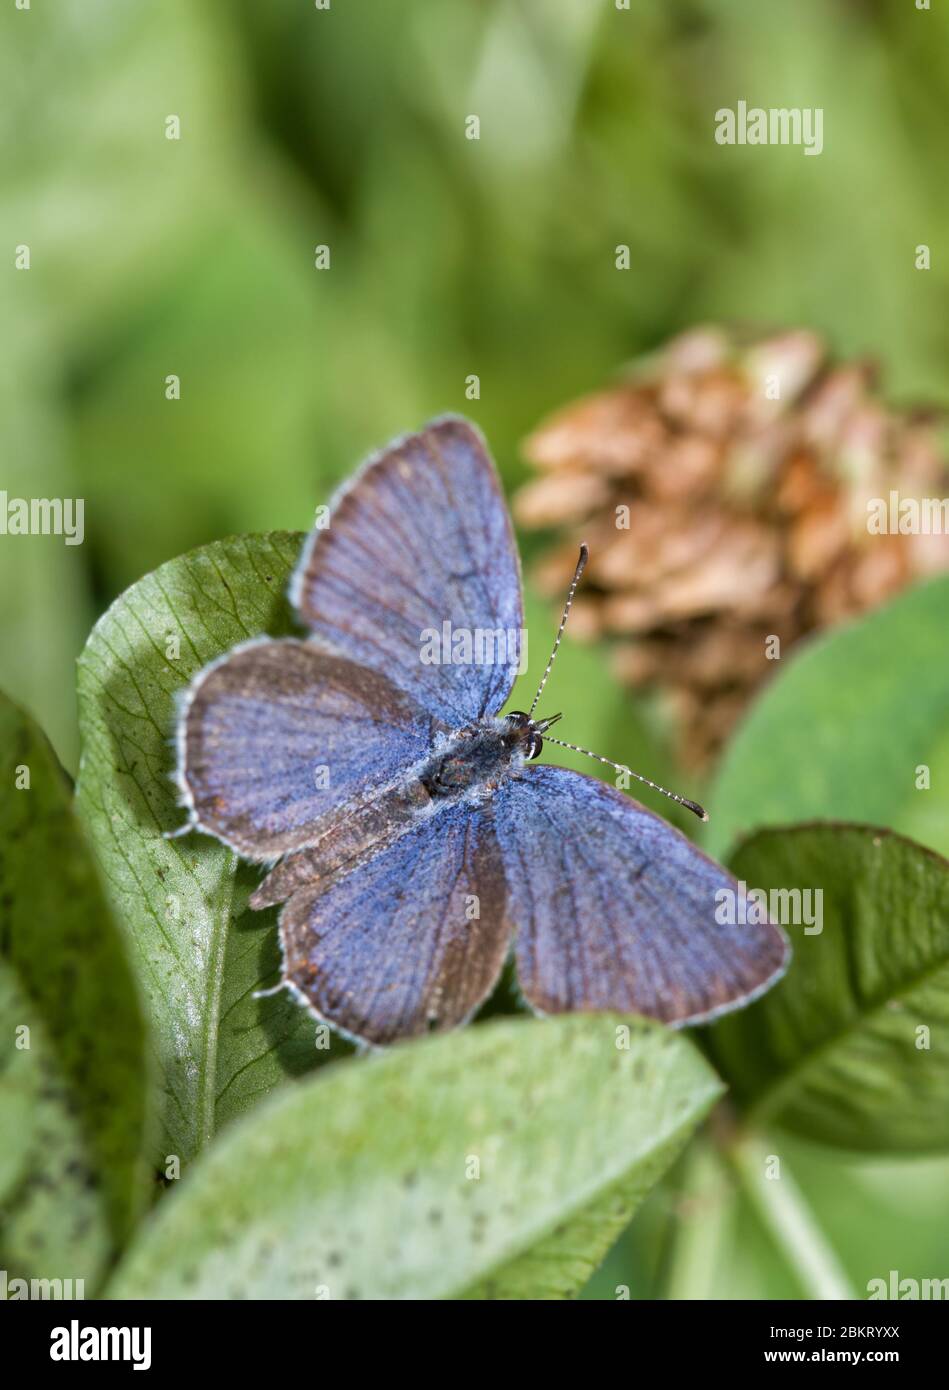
(730, 490)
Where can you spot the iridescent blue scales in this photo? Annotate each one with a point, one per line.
(412, 838)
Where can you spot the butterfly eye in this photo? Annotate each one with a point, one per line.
(535, 747)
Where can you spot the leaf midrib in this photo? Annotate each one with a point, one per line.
(222, 918)
(206, 1126)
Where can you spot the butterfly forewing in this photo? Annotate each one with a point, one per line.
(278, 737)
(419, 559)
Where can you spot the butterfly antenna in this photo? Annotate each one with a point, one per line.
(581, 566)
(692, 806)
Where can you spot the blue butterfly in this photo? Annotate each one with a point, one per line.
(409, 832)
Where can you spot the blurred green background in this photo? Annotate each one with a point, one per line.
(449, 258)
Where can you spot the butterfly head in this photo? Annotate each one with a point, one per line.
(525, 733)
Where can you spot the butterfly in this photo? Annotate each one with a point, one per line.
(410, 834)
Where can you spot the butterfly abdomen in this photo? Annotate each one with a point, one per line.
(355, 832)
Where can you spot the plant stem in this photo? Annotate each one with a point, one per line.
(783, 1208)
(701, 1236)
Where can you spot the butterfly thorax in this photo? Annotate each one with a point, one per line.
(475, 759)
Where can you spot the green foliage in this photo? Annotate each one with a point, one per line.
(73, 1101)
(699, 1234)
(463, 1164)
(44, 599)
(853, 1048)
(198, 953)
(55, 1219)
(843, 731)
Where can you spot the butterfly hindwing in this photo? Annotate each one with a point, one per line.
(613, 909)
(421, 543)
(410, 941)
